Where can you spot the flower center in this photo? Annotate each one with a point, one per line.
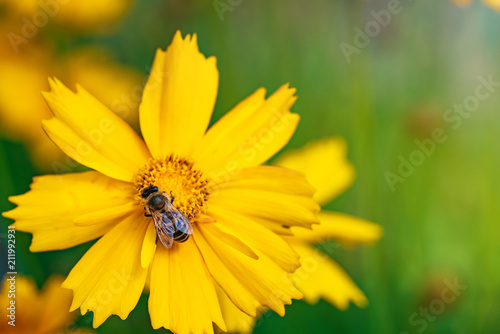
(176, 176)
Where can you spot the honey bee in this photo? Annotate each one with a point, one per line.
(170, 223)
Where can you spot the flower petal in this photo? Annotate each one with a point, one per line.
(54, 201)
(251, 133)
(236, 320)
(320, 277)
(183, 297)
(346, 229)
(325, 164)
(258, 237)
(249, 283)
(148, 246)
(179, 98)
(55, 301)
(90, 133)
(218, 231)
(252, 192)
(109, 278)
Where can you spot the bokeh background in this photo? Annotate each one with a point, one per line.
(441, 224)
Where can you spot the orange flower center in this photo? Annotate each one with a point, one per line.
(176, 176)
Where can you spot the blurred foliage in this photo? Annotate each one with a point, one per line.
(440, 224)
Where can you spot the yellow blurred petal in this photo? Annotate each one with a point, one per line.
(91, 134)
(325, 165)
(115, 85)
(249, 283)
(236, 320)
(178, 98)
(45, 311)
(54, 201)
(56, 302)
(258, 237)
(148, 245)
(109, 278)
(495, 4)
(251, 133)
(90, 15)
(21, 105)
(346, 229)
(182, 296)
(320, 277)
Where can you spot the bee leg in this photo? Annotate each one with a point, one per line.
(146, 214)
(172, 198)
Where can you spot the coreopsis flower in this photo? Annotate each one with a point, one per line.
(185, 210)
(26, 310)
(22, 107)
(319, 275)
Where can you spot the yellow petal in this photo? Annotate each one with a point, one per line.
(97, 217)
(55, 302)
(178, 98)
(90, 14)
(45, 311)
(218, 231)
(267, 206)
(249, 283)
(236, 320)
(271, 178)
(320, 277)
(54, 201)
(258, 237)
(182, 296)
(251, 133)
(346, 229)
(148, 245)
(115, 85)
(109, 278)
(93, 135)
(325, 165)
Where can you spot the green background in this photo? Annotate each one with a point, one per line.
(440, 224)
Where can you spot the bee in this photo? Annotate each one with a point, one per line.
(170, 223)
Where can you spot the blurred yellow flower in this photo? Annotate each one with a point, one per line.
(216, 177)
(22, 107)
(87, 15)
(91, 14)
(36, 312)
(495, 4)
(319, 276)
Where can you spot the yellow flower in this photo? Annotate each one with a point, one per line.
(91, 14)
(77, 14)
(495, 4)
(33, 311)
(22, 107)
(326, 168)
(216, 177)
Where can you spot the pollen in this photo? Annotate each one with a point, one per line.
(175, 176)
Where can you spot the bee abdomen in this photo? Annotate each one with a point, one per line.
(180, 236)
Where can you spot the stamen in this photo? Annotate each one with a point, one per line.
(177, 176)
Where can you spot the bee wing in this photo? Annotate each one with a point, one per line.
(180, 220)
(183, 224)
(164, 229)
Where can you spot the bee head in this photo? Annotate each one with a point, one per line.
(148, 191)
